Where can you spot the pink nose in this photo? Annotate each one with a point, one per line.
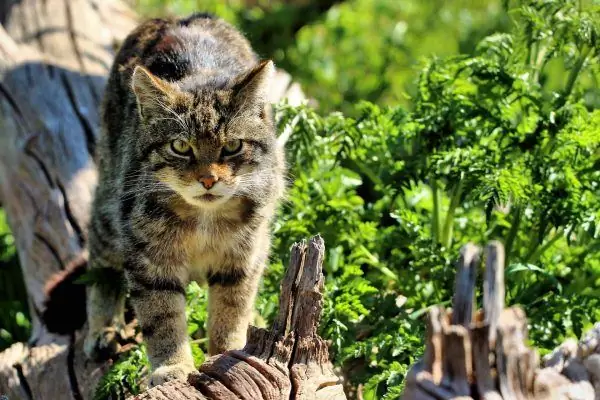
(208, 181)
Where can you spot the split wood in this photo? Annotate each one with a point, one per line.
(483, 354)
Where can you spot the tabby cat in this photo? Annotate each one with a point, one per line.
(190, 174)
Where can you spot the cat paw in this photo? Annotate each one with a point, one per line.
(168, 373)
(101, 345)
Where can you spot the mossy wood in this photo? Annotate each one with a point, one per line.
(483, 354)
(54, 59)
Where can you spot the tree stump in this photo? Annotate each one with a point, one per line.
(290, 361)
(483, 355)
(54, 59)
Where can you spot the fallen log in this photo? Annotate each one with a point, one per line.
(54, 60)
(483, 354)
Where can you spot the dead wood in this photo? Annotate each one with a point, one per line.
(484, 355)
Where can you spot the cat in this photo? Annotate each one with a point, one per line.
(190, 175)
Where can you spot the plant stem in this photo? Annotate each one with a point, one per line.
(449, 221)
(574, 74)
(541, 249)
(435, 223)
(529, 33)
(539, 64)
(537, 239)
(512, 233)
(366, 171)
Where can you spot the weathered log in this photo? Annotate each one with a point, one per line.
(54, 59)
(52, 72)
(290, 361)
(484, 355)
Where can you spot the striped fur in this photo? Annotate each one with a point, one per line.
(178, 199)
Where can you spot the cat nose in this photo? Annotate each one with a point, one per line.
(208, 181)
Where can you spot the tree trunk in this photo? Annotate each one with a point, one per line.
(54, 59)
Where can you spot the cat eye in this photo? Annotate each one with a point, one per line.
(180, 147)
(232, 147)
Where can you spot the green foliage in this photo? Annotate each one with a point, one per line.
(14, 314)
(494, 149)
(369, 50)
(125, 376)
(196, 314)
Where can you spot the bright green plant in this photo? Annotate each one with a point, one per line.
(493, 149)
(125, 376)
(370, 49)
(14, 314)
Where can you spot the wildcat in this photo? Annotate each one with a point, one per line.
(190, 174)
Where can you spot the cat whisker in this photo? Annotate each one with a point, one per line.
(134, 195)
(145, 190)
(168, 109)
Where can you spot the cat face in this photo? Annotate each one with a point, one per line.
(209, 145)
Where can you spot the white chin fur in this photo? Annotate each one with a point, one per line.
(216, 203)
(193, 196)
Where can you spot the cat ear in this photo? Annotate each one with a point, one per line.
(151, 92)
(254, 85)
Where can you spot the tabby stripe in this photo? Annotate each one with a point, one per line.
(126, 206)
(250, 210)
(140, 246)
(163, 284)
(149, 328)
(130, 266)
(227, 277)
(149, 149)
(155, 210)
(197, 15)
(262, 146)
(158, 166)
(155, 285)
(128, 202)
(221, 121)
(107, 224)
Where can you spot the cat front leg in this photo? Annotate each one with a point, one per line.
(105, 310)
(231, 296)
(105, 295)
(159, 304)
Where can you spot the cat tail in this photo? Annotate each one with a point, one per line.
(64, 309)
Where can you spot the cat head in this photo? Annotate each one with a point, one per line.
(208, 143)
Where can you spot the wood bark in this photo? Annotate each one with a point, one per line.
(484, 355)
(54, 59)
